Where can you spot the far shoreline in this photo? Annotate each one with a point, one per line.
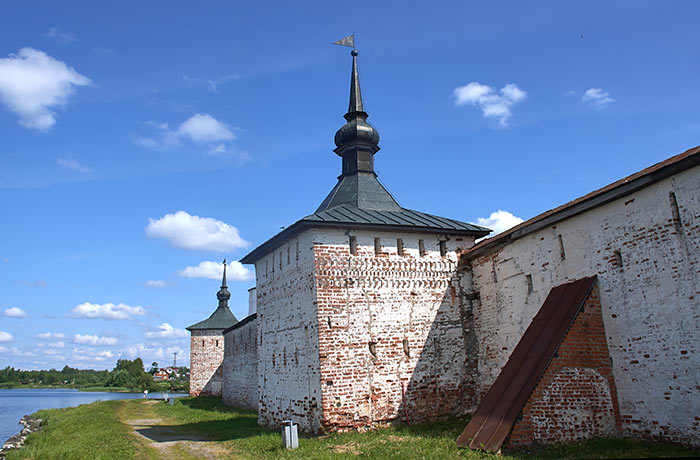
(86, 388)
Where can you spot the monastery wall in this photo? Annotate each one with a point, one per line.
(240, 368)
(288, 370)
(206, 358)
(391, 323)
(644, 248)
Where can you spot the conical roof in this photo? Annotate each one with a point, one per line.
(222, 318)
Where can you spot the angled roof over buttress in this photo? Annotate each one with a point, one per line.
(496, 414)
(359, 200)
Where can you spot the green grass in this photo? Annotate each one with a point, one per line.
(239, 433)
(89, 432)
(94, 431)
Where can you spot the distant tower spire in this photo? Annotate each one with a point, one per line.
(223, 282)
(223, 295)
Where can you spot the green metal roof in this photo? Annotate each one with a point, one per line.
(222, 318)
(350, 216)
(359, 200)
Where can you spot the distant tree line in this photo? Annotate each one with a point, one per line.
(126, 375)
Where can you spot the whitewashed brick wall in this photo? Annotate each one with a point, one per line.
(206, 358)
(288, 370)
(240, 367)
(650, 303)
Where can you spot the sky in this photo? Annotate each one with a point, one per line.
(144, 142)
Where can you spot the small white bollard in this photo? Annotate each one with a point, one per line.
(290, 435)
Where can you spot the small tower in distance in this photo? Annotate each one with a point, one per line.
(207, 346)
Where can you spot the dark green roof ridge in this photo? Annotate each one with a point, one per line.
(222, 318)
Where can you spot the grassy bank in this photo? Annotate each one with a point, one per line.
(204, 428)
(90, 431)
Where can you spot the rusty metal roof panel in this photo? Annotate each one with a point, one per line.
(496, 414)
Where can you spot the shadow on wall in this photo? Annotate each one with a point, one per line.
(443, 382)
(213, 385)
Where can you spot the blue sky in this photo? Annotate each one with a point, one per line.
(143, 138)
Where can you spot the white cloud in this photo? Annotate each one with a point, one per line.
(156, 283)
(492, 104)
(72, 164)
(152, 353)
(195, 233)
(106, 311)
(32, 84)
(499, 221)
(86, 354)
(63, 37)
(166, 331)
(50, 351)
(51, 335)
(18, 351)
(202, 127)
(5, 336)
(94, 340)
(214, 270)
(15, 312)
(597, 98)
(147, 142)
(57, 345)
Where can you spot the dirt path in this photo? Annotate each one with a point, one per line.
(165, 438)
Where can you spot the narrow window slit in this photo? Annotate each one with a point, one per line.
(377, 246)
(421, 248)
(443, 248)
(399, 246)
(618, 258)
(529, 283)
(406, 349)
(562, 253)
(353, 245)
(373, 349)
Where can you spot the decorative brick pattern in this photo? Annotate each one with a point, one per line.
(206, 358)
(576, 397)
(240, 368)
(390, 324)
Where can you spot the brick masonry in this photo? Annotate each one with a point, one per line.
(350, 341)
(206, 358)
(644, 248)
(392, 335)
(576, 397)
(240, 368)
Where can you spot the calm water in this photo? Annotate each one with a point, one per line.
(16, 403)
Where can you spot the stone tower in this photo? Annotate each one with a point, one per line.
(358, 320)
(207, 346)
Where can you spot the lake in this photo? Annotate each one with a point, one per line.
(16, 403)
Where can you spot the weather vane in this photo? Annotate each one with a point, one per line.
(348, 41)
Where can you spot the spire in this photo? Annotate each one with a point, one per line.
(223, 281)
(355, 93)
(223, 295)
(357, 141)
